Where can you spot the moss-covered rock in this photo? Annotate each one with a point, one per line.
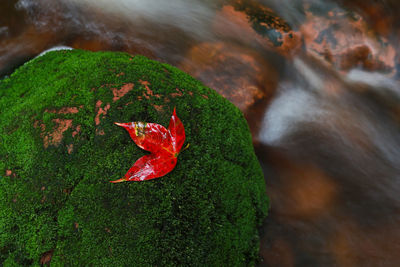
(59, 148)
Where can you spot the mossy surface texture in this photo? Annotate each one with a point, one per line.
(59, 149)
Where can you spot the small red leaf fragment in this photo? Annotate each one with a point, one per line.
(164, 145)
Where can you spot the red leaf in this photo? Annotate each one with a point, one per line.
(164, 145)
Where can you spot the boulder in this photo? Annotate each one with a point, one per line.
(59, 148)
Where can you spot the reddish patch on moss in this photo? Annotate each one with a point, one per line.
(159, 108)
(107, 230)
(70, 148)
(149, 93)
(67, 191)
(64, 110)
(178, 93)
(46, 257)
(42, 126)
(56, 136)
(100, 111)
(108, 85)
(120, 74)
(77, 130)
(76, 225)
(8, 172)
(118, 93)
(205, 96)
(100, 132)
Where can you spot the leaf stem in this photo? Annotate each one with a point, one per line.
(123, 179)
(186, 147)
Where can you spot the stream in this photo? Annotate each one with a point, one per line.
(317, 80)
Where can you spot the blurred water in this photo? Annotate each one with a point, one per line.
(317, 81)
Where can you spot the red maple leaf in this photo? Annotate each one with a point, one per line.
(164, 145)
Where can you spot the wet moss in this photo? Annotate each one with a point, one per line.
(59, 148)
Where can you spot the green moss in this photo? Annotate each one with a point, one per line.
(205, 212)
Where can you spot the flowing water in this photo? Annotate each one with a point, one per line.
(318, 82)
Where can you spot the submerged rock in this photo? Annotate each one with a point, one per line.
(59, 149)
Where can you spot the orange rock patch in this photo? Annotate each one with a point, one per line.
(237, 73)
(346, 42)
(241, 30)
